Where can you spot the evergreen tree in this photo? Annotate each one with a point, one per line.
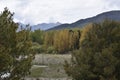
(15, 49)
(99, 54)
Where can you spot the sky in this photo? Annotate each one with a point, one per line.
(50, 11)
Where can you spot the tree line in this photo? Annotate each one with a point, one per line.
(60, 41)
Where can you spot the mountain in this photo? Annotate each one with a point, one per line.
(45, 26)
(42, 26)
(112, 15)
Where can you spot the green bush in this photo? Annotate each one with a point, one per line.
(38, 48)
(99, 54)
(51, 50)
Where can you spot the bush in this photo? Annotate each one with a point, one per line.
(99, 54)
(38, 48)
(51, 50)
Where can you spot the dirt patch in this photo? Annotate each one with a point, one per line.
(49, 67)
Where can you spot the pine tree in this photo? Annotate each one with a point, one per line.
(15, 49)
(99, 54)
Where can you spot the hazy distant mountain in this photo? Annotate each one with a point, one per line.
(112, 15)
(45, 26)
(42, 26)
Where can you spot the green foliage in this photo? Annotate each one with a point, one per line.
(38, 48)
(99, 54)
(37, 36)
(15, 49)
(51, 50)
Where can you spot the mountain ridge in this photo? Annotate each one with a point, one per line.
(41, 26)
(45, 26)
(112, 15)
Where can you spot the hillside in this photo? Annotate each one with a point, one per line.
(112, 15)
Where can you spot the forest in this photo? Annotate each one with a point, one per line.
(95, 49)
(56, 42)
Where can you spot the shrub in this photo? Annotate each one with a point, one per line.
(51, 50)
(38, 48)
(99, 54)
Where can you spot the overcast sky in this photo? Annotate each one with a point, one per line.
(64, 11)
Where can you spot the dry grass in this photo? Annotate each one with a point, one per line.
(54, 69)
(51, 59)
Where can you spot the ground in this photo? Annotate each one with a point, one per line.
(49, 67)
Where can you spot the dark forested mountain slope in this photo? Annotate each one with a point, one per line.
(112, 15)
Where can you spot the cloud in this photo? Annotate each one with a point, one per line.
(65, 11)
(114, 3)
